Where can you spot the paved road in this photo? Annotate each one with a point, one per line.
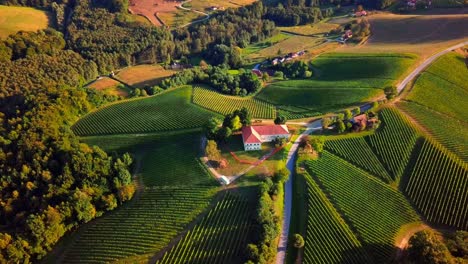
(193, 10)
(316, 125)
(426, 63)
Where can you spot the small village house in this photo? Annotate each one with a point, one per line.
(254, 136)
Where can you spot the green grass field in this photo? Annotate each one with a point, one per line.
(371, 207)
(221, 237)
(438, 186)
(15, 18)
(443, 87)
(340, 81)
(171, 110)
(225, 104)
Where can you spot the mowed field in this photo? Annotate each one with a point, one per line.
(422, 34)
(142, 75)
(14, 19)
(109, 86)
(171, 110)
(341, 80)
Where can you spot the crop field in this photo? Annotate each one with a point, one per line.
(145, 226)
(423, 34)
(308, 30)
(339, 81)
(450, 132)
(205, 5)
(256, 47)
(321, 100)
(438, 186)
(387, 67)
(358, 152)
(15, 18)
(170, 110)
(374, 210)
(224, 104)
(443, 87)
(142, 75)
(394, 142)
(328, 238)
(221, 237)
(291, 44)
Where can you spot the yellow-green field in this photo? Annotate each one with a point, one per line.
(142, 75)
(308, 30)
(205, 5)
(14, 19)
(109, 86)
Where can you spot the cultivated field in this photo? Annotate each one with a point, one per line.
(205, 5)
(373, 209)
(221, 237)
(329, 239)
(15, 18)
(309, 30)
(438, 186)
(225, 104)
(339, 81)
(422, 34)
(152, 8)
(170, 110)
(142, 75)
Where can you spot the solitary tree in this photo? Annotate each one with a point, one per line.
(298, 241)
(390, 92)
(212, 151)
(326, 122)
(280, 119)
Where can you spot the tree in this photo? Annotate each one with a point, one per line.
(457, 244)
(235, 123)
(280, 120)
(281, 175)
(212, 151)
(390, 92)
(211, 127)
(426, 247)
(340, 126)
(224, 133)
(326, 122)
(317, 143)
(203, 64)
(298, 241)
(244, 115)
(348, 114)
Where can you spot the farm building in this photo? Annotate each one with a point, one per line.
(254, 136)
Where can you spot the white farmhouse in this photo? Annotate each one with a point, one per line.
(254, 136)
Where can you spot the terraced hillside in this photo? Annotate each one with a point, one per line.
(170, 110)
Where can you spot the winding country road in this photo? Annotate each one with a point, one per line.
(317, 125)
(207, 16)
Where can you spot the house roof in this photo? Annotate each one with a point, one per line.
(252, 134)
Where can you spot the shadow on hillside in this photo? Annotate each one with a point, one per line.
(369, 253)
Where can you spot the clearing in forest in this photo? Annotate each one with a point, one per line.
(143, 75)
(109, 86)
(15, 18)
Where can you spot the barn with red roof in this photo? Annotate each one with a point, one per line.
(254, 136)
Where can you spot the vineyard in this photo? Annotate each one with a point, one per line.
(224, 104)
(440, 94)
(394, 142)
(145, 226)
(168, 111)
(371, 207)
(328, 238)
(221, 237)
(357, 151)
(451, 133)
(438, 186)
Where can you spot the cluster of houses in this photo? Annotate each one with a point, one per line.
(288, 57)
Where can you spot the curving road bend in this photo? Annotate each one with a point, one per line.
(317, 125)
(207, 16)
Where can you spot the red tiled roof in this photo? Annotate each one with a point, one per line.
(252, 134)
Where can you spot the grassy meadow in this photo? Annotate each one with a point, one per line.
(15, 18)
(142, 75)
